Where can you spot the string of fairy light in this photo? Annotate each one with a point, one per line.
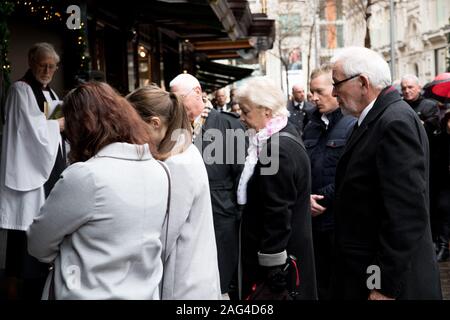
(6, 8)
(48, 13)
(41, 8)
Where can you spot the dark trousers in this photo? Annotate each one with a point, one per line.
(31, 273)
(227, 239)
(323, 255)
(440, 215)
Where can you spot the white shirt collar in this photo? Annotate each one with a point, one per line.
(365, 112)
(325, 119)
(299, 104)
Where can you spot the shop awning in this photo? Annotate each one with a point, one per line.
(213, 76)
(228, 25)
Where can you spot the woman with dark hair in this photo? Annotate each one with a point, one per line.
(190, 261)
(101, 225)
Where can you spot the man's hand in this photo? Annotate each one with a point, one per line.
(375, 295)
(316, 209)
(61, 122)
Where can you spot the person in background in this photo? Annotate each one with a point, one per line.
(426, 109)
(101, 226)
(232, 96)
(325, 136)
(219, 131)
(33, 158)
(275, 189)
(383, 238)
(235, 108)
(190, 264)
(221, 101)
(299, 109)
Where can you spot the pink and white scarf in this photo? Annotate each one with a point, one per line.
(256, 143)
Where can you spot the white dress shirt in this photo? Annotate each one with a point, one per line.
(365, 112)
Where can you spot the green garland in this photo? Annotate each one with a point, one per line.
(6, 9)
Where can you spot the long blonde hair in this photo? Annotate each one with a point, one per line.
(152, 101)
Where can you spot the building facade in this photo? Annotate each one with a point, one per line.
(313, 31)
(421, 35)
(307, 35)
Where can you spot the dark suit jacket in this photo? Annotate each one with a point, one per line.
(299, 118)
(428, 112)
(382, 206)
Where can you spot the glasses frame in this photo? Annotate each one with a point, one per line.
(337, 84)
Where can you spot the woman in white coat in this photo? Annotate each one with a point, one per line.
(190, 258)
(101, 225)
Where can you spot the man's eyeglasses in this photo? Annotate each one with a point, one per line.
(51, 67)
(338, 83)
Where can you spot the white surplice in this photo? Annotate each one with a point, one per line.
(29, 149)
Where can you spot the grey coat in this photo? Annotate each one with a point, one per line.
(191, 269)
(101, 227)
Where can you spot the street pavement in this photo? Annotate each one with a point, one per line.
(445, 279)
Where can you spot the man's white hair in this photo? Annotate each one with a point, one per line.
(42, 49)
(184, 82)
(411, 77)
(360, 60)
(262, 92)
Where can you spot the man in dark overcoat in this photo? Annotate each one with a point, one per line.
(383, 239)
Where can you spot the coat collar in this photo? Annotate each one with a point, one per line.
(125, 151)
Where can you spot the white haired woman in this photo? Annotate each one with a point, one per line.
(274, 189)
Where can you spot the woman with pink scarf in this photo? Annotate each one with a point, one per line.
(276, 241)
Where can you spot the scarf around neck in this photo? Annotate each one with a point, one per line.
(256, 142)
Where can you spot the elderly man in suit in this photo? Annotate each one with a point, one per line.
(299, 109)
(382, 225)
(221, 100)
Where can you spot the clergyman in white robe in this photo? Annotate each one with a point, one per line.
(29, 149)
